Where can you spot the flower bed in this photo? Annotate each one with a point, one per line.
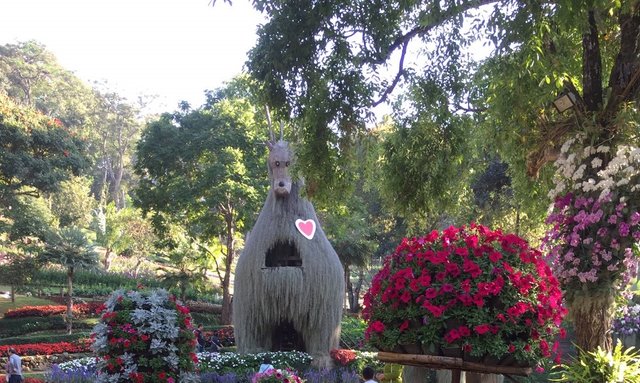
(276, 376)
(80, 309)
(467, 291)
(48, 348)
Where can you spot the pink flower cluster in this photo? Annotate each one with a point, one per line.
(591, 239)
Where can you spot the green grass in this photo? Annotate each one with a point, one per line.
(21, 301)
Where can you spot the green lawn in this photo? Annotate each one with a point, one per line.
(21, 301)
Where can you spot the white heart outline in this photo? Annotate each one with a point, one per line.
(305, 222)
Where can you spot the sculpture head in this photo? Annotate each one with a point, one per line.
(279, 162)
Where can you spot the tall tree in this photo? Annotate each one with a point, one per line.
(119, 130)
(202, 169)
(36, 152)
(31, 76)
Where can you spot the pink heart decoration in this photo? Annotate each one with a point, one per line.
(306, 228)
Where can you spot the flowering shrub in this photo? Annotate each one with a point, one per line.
(240, 363)
(343, 357)
(81, 309)
(276, 376)
(627, 320)
(470, 289)
(48, 348)
(595, 215)
(145, 337)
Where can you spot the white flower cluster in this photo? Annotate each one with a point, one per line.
(83, 364)
(579, 169)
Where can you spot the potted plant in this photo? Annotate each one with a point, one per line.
(466, 290)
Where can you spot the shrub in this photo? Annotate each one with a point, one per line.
(352, 333)
(227, 362)
(81, 309)
(621, 365)
(145, 337)
(44, 338)
(19, 326)
(48, 348)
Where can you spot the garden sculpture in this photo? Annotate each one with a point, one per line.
(289, 282)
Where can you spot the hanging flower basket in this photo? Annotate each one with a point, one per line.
(466, 292)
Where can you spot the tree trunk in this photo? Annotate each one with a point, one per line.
(117, 183)
(13, 294)
(225, 317)
(347, 283)
(358, 289)
(69, 300)
(107, 258)
(592, 314)
(592, 66)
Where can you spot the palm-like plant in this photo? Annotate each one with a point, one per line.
(70, 248)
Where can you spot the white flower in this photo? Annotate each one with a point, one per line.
(596, 163)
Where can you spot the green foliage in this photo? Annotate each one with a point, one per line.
(19, 270)
(69, 248)
(600, 366)
(47, 337)
(72, 205)
(36, 152)
(18, 326)
(352, 333)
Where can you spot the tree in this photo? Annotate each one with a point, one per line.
(317, 59)
(73, 204)
(18, 271)
(119, 131)
(203, 169)
(32, 77)
(124, 232)
(70, 248)
(36, 152)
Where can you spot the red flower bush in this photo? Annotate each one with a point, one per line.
(343, 357)
(48, 348)
(469, 289)
(80, 309)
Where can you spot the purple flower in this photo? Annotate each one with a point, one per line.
(624, 229)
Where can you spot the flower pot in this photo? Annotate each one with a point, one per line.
(491, 360)
(430, 349)
(467, 357)
(451, 351)
(411, 348)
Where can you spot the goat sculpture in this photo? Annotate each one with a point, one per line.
(289, 282)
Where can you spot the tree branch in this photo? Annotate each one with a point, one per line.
(624, 80)
(391, 87)
(422, 29)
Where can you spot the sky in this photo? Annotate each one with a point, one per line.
(173, 49)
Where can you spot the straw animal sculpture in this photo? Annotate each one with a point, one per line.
(284, 280)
